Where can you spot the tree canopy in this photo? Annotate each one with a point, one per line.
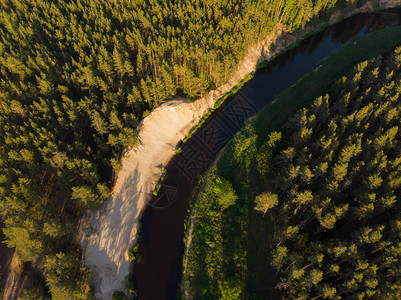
(317, 203)
(76, 77)
(336, 225)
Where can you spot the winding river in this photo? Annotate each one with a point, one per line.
(157, 270)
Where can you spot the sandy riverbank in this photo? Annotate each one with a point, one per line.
(109, 234)
(112, 231)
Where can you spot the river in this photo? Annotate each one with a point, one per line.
(158, 268)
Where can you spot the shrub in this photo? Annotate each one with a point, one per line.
(118, 295)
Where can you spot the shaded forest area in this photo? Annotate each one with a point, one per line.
(338, 180)
(315, 204)
(75, 80)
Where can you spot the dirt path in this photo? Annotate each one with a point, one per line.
(107, 236)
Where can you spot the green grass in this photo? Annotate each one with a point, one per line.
(159, 182)
(315, 83)
(193, 130)
(134, 250)
(117, 295)
(217, 104)
(235, 89)
(217, 254)
(368, 46)
(236, 164)
(273, 117)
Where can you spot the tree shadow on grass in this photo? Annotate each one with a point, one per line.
(261, 276)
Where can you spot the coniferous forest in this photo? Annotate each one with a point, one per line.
(76, 77)
(327, 193)
(337, 224)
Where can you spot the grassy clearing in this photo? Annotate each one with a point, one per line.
(208, 274)
(217, 243)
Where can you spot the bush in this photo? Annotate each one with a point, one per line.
(118, 295)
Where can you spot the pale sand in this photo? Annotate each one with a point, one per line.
(107, 236)
(110, 232)
(113, 229)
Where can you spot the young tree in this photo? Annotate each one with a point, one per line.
(265, 201)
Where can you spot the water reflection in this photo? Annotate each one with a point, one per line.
(157, 271)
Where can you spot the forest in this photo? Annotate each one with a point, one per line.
(319, 197)
(337, 231)
(76, 78)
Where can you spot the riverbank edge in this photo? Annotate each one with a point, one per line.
(189, 223)
(282, 42)
(272, 46)
(276, 44)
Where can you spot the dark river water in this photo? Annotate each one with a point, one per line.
(157, 270)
